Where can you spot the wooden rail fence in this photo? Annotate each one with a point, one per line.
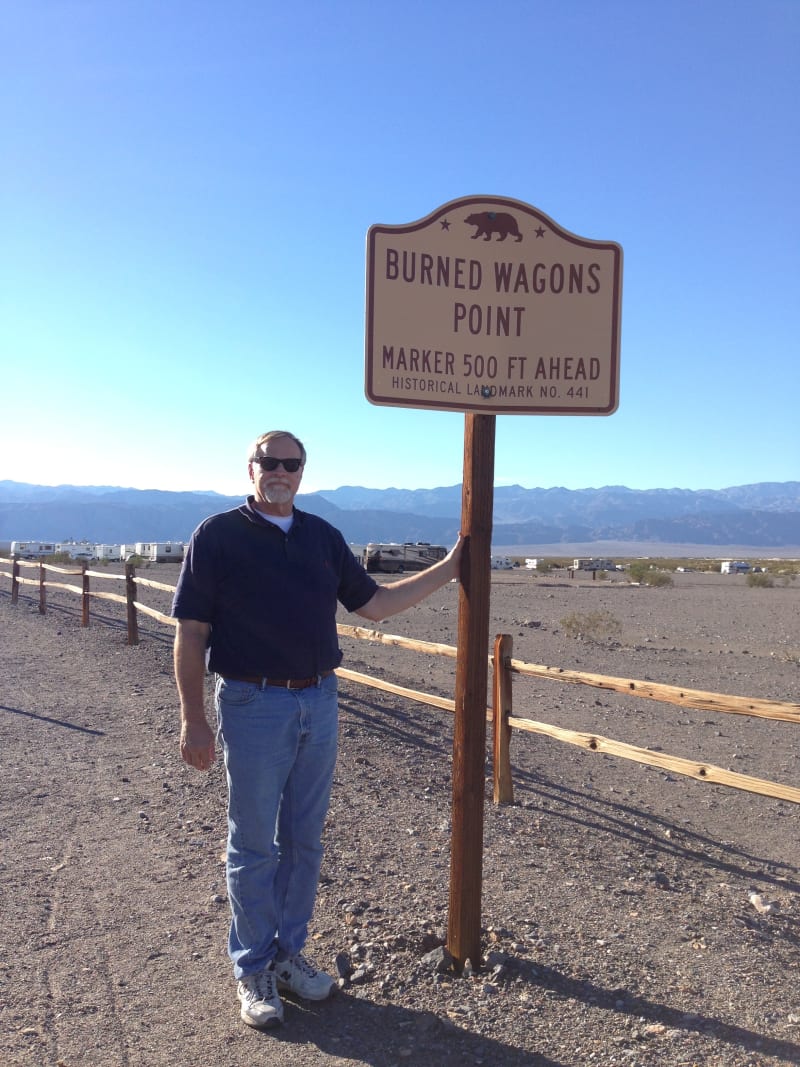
(503, 667)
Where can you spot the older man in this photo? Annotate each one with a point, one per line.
(256, 604)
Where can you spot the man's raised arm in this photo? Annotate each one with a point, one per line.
(397, 596)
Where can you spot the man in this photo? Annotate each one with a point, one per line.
(258, 595)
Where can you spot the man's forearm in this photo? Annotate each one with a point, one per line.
(190, 670)
(400, 595)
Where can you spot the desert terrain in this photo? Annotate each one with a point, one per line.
(630, 916)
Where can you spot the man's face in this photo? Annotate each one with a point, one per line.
(278, 487)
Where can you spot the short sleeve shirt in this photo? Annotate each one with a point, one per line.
(270, 597)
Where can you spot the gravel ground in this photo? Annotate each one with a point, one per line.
(617, 910)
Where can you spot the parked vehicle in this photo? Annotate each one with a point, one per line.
(112, 553)
(154, 551)
(79, 551)
(32, 549)
(502, 563)
(393, 558)
(734, 566)
(590, 564)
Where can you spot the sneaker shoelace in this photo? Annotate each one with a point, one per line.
(261, 987)
(307, 968)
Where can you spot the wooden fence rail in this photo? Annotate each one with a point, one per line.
(503, 668)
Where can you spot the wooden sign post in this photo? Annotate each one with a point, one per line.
(487, 306)
(469, 737)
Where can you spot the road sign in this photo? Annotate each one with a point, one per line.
(487, 305)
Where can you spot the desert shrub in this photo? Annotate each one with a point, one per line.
(642, 572)
(595, 626)
(135, 561)
(759, 580)
(659, 579)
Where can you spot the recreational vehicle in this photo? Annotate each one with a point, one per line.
(166, 551)
(154, 551)
(594, 565)
(734, 566)
(80, 552)
(392, 558)
(32, 549)
(112, 553)
(501, 563)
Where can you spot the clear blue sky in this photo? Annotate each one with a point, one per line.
(186, 188)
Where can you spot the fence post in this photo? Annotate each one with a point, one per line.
(502, 707)
(42, 590)
(130, 597)
(14, 579)
(84, 596)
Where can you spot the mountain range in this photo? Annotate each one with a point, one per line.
(765, 515)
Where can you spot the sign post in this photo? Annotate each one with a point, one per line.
(487, 306)
(469, 730)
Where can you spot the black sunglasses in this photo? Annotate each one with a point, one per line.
(271, 463)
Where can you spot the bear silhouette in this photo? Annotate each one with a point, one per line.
(489, 222)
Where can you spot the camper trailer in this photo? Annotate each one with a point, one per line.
(112, 553)
(166, 552)
(32, 549)
(501, 563)
(154, 551)
(81, 552)
(734, 566)
(393, 558)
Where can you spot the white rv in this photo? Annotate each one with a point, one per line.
(32, 549)
(154, 551)
(502, 563)
(594, 565)
(166, 551)
(734, 566)
(80, 552)
(112, 553)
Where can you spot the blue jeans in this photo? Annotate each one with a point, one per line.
(279, 747)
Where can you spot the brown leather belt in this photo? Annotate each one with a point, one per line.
(283, 683)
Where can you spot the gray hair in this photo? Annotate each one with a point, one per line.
(265, 438)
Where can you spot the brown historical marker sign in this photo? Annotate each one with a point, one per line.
(487, 305)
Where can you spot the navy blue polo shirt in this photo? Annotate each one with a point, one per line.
(270, 597)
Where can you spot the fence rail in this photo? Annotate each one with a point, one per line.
(503, 668)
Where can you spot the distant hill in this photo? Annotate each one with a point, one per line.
(763, 515)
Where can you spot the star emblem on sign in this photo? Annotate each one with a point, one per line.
(540, 231)
(445, 223)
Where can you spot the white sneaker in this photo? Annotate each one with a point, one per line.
(300, 976)
(261, 1005)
